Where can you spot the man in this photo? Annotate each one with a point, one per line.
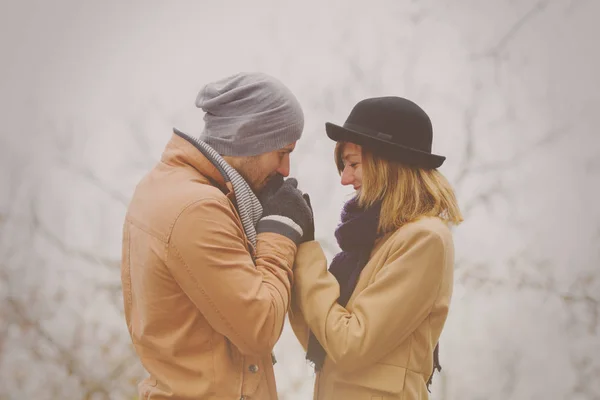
(206, 269)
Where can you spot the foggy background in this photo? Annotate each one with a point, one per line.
(89, 93)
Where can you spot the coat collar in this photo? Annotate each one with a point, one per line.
(180, 151)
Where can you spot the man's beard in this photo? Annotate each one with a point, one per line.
(251, 173)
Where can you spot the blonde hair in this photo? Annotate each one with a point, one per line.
(406, 192)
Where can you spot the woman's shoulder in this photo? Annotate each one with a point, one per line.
(424, 227)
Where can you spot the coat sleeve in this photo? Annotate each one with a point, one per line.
(295, 315)
(385, 313)
(297, 321)
(242, 299)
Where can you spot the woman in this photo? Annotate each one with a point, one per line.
(370, 324)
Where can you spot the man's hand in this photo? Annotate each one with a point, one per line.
(285, 210)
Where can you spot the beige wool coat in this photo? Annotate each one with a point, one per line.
(380, 347)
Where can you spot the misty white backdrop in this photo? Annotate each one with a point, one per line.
(89, 93)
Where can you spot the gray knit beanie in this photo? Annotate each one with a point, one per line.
(249, 114)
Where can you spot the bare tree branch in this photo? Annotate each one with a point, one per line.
(478, 277)
(514, 30)
(574, 5)
(485, 197)
(469, 148)
(521, 153)
(64, 355)
(587, 373)
(60, 244)
(92, 178)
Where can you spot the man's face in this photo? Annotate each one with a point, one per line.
(257, 170)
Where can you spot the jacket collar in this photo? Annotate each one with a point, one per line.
(181, 151)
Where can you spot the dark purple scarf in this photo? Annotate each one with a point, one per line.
(356, 236)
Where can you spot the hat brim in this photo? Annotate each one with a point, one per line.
(385, 148)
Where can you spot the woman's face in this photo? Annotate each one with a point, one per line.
(352, 159)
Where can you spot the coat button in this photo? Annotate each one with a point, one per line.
(253, 368)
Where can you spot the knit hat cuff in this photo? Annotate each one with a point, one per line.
(255, 144)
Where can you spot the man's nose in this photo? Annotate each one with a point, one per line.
(284, 167)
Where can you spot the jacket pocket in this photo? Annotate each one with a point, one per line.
(377, 382)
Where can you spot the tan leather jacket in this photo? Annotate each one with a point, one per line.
(203, 307)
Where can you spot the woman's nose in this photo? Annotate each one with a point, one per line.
(347, 176)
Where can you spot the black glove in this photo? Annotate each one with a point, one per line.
(285, 211)
(273, 184)
(309, 232)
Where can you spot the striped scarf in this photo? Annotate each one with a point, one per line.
(246, 201)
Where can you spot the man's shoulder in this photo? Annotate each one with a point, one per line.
(161, 198)
(201, 191)
(204, 198)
